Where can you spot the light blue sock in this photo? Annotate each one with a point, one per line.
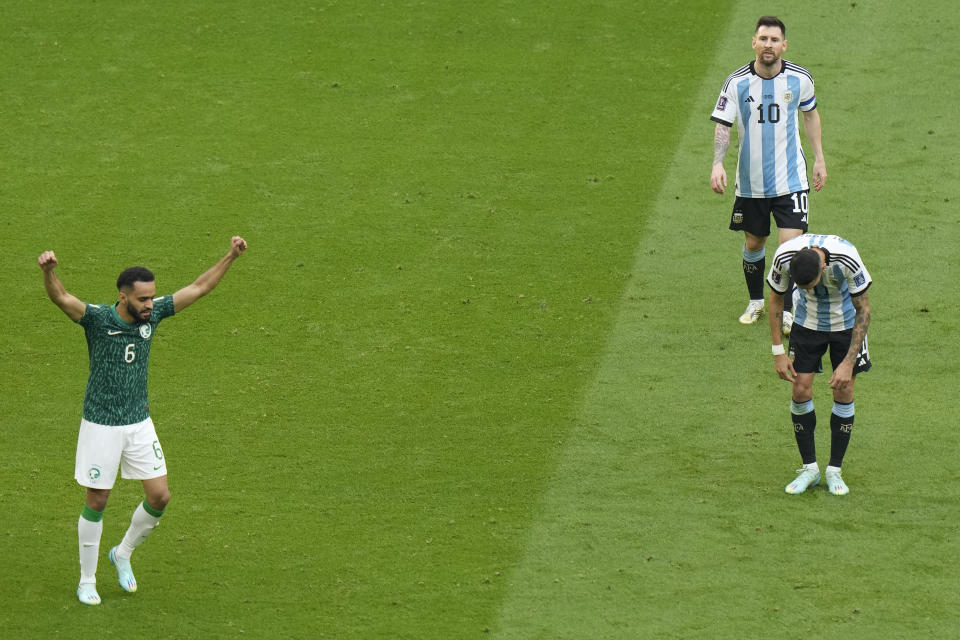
(754, 256)
(801, 408)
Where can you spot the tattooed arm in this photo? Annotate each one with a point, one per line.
(721, 142)
(843, 374)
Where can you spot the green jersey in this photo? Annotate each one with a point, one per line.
(119, 352)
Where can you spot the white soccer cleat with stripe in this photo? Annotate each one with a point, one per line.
(809, 477)
(753, 312)
(835, 482)
(87, 593)
(124, 572)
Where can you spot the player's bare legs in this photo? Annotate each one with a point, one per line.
(788, 234)
(97, 498)
(157, 492)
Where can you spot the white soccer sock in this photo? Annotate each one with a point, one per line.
(88, 534)
(142, 525)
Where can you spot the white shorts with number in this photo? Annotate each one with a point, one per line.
(134, 448)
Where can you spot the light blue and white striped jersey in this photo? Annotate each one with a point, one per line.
(826, 307)
(771, 161)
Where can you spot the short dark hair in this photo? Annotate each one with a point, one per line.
(771, 21)
(134, 274)
(805, 266)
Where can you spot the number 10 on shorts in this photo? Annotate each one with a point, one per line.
(799, 201)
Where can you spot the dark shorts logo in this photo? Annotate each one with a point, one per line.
(737, 217)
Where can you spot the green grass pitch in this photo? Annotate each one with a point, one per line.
(479, 374)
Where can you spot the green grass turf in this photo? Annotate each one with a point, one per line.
(472, 378)
(668, 514)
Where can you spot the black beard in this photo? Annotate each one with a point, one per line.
(136, 315)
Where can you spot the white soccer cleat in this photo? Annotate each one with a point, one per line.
(124, 572)
(87, 593)
(787, 322)
(835, 482)
(809, 477)
(753, 312)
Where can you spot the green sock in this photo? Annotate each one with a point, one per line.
(91, 514)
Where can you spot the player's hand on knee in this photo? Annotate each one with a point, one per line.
(842, 376)
(784, 367)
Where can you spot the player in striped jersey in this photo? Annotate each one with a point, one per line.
(764, 98)
(832, 312)
(116, 430)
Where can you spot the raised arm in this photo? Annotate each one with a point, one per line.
(68, 303)
(209, 278)
(721, 142)
(811, 124)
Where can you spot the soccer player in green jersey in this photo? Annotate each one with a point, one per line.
(116, 430)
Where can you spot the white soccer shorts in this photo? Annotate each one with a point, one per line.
(134, 448)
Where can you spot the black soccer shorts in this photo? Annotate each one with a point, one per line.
(753, 214)
(808, 346)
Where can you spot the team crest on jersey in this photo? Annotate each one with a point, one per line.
(788, 96)
(145, 331)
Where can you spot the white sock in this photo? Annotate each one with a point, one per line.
(142, 525)
(88, 534)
